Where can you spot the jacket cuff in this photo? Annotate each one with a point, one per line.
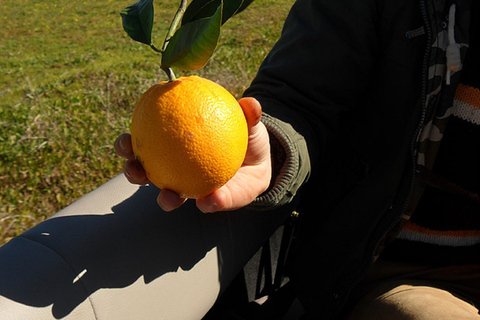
(294, 171)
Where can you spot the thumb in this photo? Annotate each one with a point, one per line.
(252, 110)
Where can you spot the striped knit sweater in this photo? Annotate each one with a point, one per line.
(445, 227)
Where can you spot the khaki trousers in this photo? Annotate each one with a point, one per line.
(395, 291)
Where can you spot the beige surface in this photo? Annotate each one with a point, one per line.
(114, 254)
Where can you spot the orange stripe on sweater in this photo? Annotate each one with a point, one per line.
(468, 95)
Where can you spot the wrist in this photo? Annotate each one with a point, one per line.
(290, 164)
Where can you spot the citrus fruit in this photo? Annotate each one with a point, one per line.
(190, 135)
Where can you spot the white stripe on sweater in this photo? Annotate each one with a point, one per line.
(466, 112)
(441, 240)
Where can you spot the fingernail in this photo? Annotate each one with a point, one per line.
(126, 173)
(121, 144)
(211, 207)
(162, 205)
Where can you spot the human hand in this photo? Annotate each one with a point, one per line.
(251, 180)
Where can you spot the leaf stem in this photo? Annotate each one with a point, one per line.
(170, 74)
(155, 48)
(175, 22)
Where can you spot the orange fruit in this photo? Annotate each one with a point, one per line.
(190, 135)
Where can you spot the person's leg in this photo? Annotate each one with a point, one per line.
(404, 291)
(403, 300)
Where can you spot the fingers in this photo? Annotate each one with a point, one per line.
(135, 173)
(252, 110)
(214, 202)
(169, 200)
(123, 146)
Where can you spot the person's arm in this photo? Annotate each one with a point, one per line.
(318, 69)
(316, 72)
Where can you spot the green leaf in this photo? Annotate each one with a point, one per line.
(194, 43)
(199, 9)
(137, 21)
(244, 6)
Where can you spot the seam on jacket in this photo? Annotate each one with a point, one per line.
(71, 267)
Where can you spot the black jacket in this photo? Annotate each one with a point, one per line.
(356, 92)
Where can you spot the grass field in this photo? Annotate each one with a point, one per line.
(69, 80)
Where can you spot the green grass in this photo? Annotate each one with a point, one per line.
(70, 78)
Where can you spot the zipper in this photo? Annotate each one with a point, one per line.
(423, 103)
(413, 151)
